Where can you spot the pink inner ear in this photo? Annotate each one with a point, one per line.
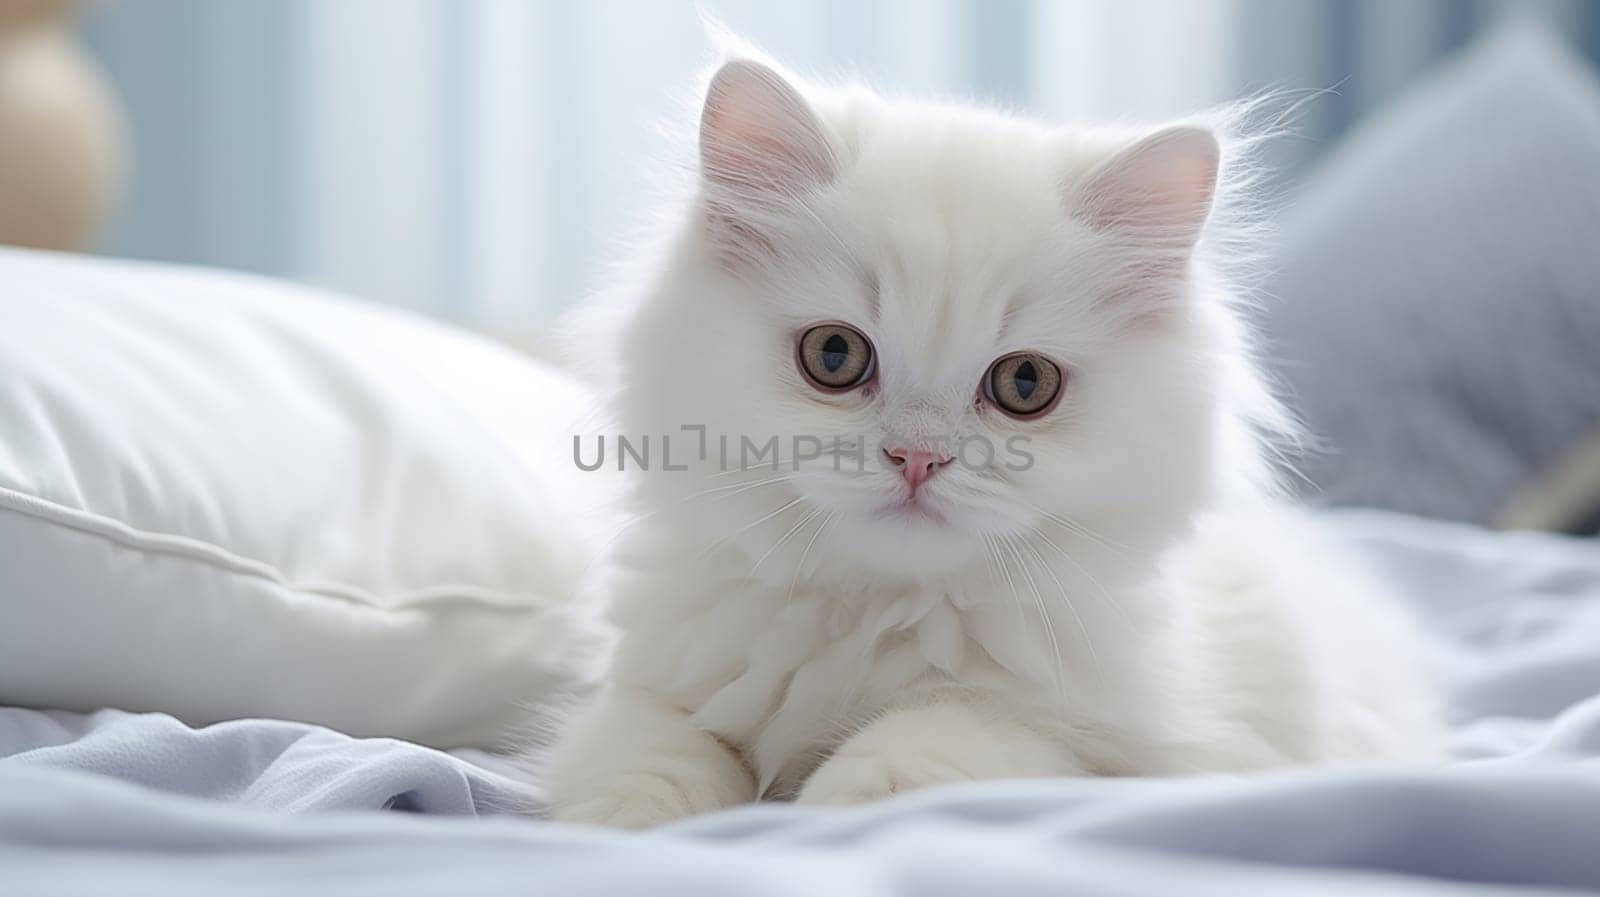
(757, 135)
(1162, 185)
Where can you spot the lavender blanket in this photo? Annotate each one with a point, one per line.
(115, 803)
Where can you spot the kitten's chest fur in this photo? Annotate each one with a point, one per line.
(784, 676)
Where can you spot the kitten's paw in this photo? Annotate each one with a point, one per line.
(645, 800)
(857, 776)
(939, 744)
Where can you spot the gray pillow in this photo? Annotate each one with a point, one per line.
(1435, 308)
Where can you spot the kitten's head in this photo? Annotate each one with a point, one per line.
(970, 333)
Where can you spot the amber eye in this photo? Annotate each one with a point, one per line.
(835, 357)
(1023, 384)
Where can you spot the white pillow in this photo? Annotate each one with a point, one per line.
(222, 496)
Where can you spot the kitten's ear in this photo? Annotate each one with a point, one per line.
(758, 138)
(1160, 188)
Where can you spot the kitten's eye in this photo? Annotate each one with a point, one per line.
(835, 357)
(1023, 384)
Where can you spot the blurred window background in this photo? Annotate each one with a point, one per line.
(480, 160)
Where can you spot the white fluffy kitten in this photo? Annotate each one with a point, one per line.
(881, 616)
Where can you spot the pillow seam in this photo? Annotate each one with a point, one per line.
(212, 555)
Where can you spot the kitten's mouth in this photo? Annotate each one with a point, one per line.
(910, 510)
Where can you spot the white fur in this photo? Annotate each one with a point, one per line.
(1138, 602)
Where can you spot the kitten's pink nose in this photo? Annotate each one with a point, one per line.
(915, 466)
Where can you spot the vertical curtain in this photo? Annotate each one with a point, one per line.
(479, 160)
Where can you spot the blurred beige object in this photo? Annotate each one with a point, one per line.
(61, 146)
(1566, 496)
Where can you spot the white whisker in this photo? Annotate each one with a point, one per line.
(1016, 599)
(795, 582)
(1057, 673)
(1061, 589)
(784, 538)
(1080, 529)
(1104, 594)
(750, 526)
